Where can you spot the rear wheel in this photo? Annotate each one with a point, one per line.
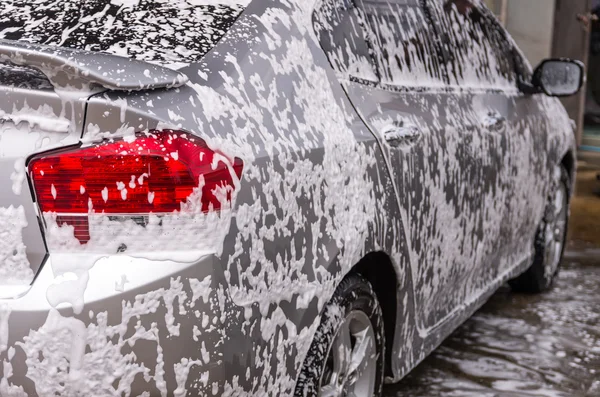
(550, 240)
(346, 357)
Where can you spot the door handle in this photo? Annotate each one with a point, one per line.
(400, 134)
(494, 121)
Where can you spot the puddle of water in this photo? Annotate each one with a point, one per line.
(522, 345)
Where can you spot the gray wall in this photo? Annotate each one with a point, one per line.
(531, 22)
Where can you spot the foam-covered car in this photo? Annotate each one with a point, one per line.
(280, 197)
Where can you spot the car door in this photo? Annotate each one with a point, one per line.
(483, 61)
(435, 147)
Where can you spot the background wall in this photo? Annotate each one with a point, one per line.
(531, 24)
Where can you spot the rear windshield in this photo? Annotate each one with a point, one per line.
(159, 31)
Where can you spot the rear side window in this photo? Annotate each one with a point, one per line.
(475, 47)
(341, 29)
(404, 41)
(160, 31)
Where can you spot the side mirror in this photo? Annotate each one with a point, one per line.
(559, 77)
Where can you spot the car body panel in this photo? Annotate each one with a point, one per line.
(316, 196)
(121, 340)
(453, 172)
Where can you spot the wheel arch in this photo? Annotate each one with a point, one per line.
(378, 268)
(568, 161)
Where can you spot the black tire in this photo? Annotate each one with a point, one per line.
(538, 278)
(353, 294)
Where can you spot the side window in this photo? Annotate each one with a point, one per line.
(404, 42)
(340, 28)
(476, 48)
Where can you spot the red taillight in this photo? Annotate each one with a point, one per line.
(154, 173)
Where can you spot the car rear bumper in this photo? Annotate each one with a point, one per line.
(143, 326)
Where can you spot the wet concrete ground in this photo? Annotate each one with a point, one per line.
(529, 345)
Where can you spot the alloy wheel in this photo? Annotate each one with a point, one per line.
(556, 226)
(351, 365)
